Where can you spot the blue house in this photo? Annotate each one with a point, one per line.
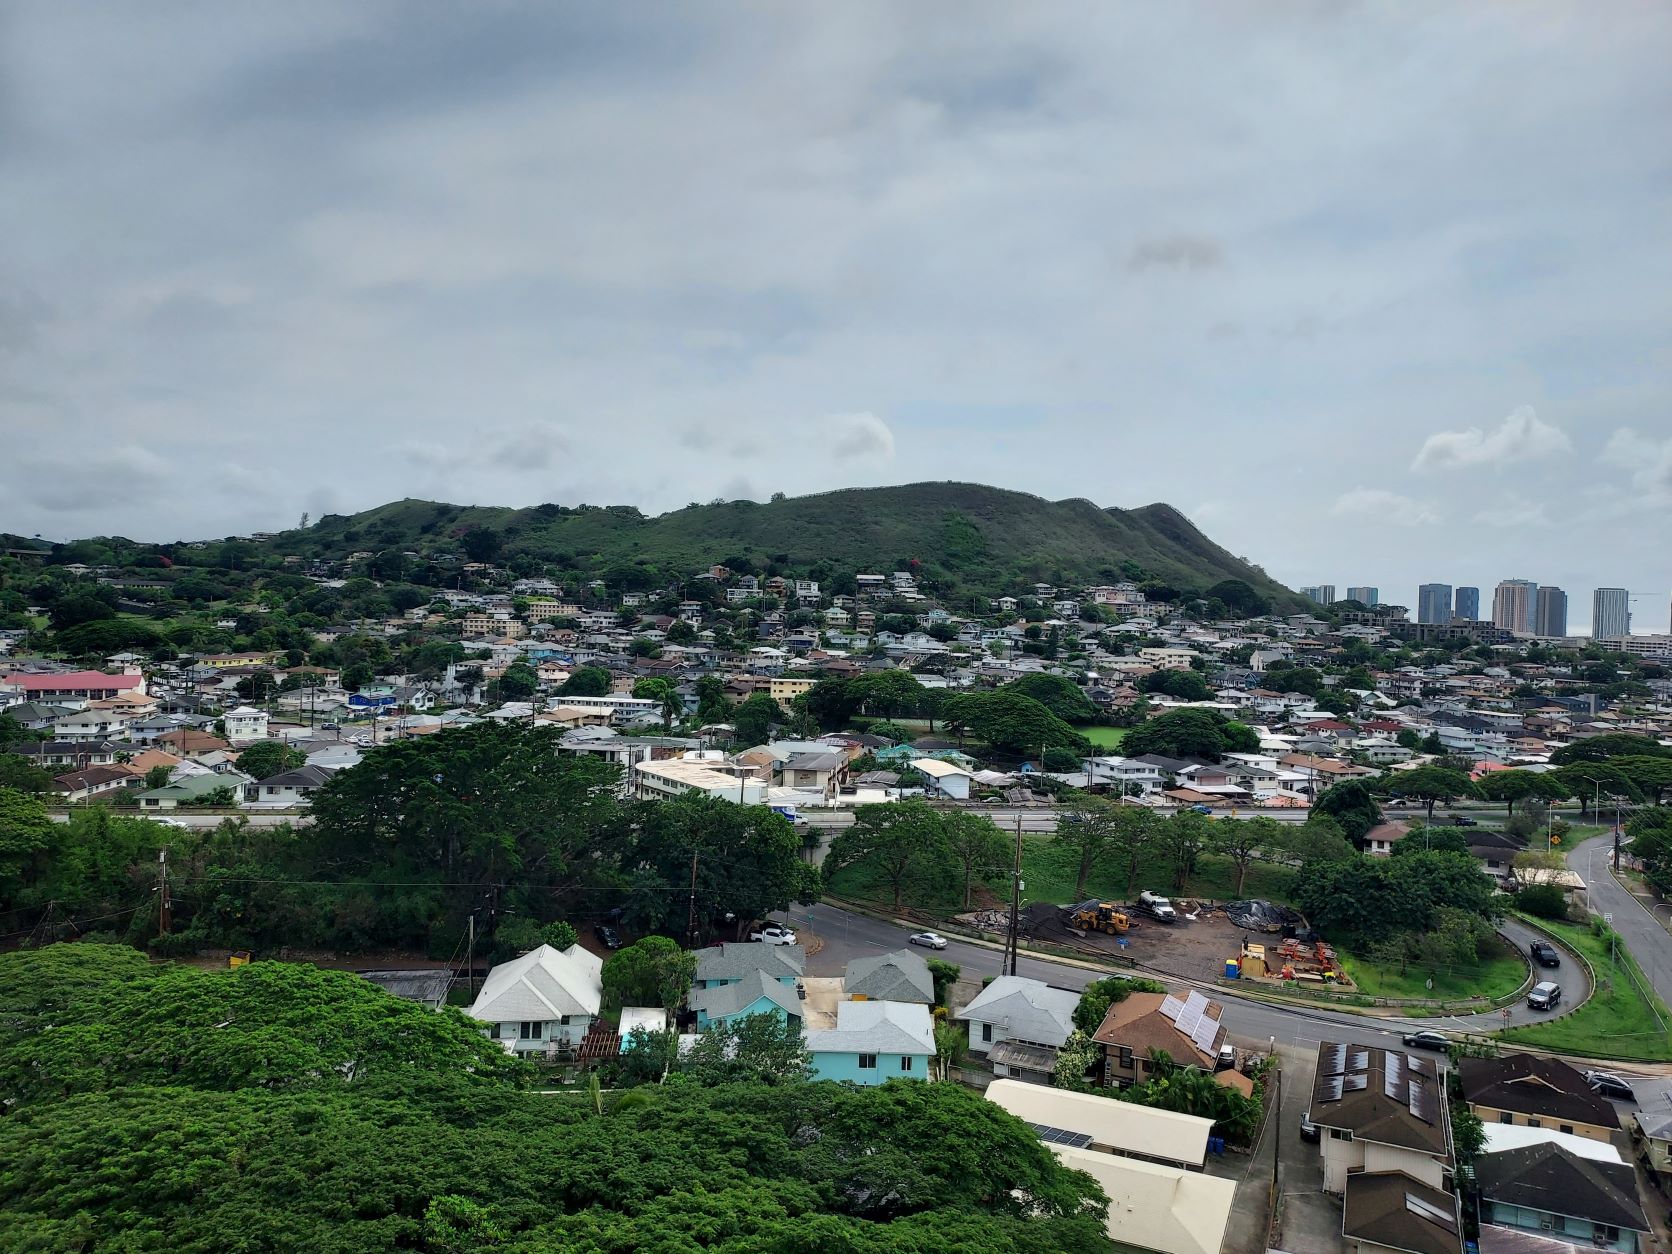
(875, 1041)
(754, 994)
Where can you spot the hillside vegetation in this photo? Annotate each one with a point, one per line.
(961, 537)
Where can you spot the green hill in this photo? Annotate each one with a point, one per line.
(965, 539)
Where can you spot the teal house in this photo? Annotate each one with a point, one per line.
(875, 1041)
(754, 994)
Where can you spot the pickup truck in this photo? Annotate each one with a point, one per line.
(1159, 908)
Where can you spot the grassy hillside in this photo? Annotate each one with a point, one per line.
(964, 537)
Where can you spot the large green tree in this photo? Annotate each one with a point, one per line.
(902, 843)
(1058, 694)
(266, 758)
(654, 971)
(1190, 733)
(1609, 745)
(1431, 785)
(1352, 805)
(1513, 786)
(748, 863)
(1011, 722)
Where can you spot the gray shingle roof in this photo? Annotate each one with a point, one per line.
(728, 999)
(1549, 1177)
(733, 960)
(1029, 1009)
(876, 1027)
(898, 976)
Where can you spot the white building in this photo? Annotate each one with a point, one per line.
(244, 724)
(675, 777)
(545, 999)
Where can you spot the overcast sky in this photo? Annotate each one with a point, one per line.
(1375, 294)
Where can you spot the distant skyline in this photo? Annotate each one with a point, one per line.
(1374, 295)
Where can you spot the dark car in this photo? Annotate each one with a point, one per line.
(1463, 820)
(1545, 995)
(1544, 953)
(1308, 1129)
(610, 938)
(1427, 1040)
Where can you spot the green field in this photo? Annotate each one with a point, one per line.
(1499, 974)
(1617, 1022)
(1104, 737)
(1048, 875)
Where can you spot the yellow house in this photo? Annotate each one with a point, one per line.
(783, 688)
(1533, 1092)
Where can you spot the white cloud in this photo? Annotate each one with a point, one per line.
(1514, 511)
(1521, 437)
(1381, 505)
(1648, 460)
(861, 435)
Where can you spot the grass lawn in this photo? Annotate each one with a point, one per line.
(1498, 974)
(1048, 875)
(1104, 737)
(1617, 1021)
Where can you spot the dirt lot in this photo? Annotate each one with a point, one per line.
(1193, 949)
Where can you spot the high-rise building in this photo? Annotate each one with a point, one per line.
(1434, 603)
(1610, 614)
(1550, 618)
(1468, 604)
(1365, 596)
(1323, 593)
(1515, 605)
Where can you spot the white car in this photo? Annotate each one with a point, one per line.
(773, 934)
(929, 940)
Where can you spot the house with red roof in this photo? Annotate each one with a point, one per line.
(71, 685)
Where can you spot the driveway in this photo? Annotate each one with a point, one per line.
(1649, 942)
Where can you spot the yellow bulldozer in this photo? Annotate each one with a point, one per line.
(1097, 916)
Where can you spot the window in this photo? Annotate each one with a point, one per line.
(1567, 1127)
(1505, 1117)
(867, 1062)
(1338, 1134)
(1535, 1123)
(905, 1062)
(1607, 1232)
(986, 1032)
(1126, 1056)
(529, 1030)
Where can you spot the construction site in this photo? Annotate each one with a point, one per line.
(1185, 938)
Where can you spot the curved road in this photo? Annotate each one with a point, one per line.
(1649, 942)
(847, 936)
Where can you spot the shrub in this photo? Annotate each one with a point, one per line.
(1546, 901)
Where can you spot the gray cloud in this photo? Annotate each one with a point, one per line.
(318, 242)
(1176, 252)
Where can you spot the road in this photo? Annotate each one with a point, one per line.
(847, 936)
(1648, 941)
(257, 818)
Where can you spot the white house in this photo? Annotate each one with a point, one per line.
(244, 724)
(1128, 774)
(547, 998)
(1028, 1012)
(287, 788)
(945, 778)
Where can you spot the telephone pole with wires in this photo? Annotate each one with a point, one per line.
(165, 909)
(691, 920)
(1012, 940)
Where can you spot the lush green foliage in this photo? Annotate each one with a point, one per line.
(1061, 696)
(1099, 995)
(278, 1107)
(1190, 733)
(1011, 722)
(1352, 805)
(1366, 899)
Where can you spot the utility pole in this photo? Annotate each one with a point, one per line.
(164, 906)
(470, 955)
(1015, 902)
(691, 925)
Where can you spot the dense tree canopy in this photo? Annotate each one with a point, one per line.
(1367, 898)
(1191, 733)
(1008, 721)
(1058, 694)
(1352, 805)
(278, 1107)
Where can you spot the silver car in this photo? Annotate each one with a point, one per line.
(929, 940)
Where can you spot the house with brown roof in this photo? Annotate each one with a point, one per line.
(1534, 1092)
(1387, 1212)
(1187, 1030)
(1379, 1110)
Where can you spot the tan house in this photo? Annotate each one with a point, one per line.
(1147, 1022)
(1533, 1092)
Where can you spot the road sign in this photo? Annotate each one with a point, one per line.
(1608, 919)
